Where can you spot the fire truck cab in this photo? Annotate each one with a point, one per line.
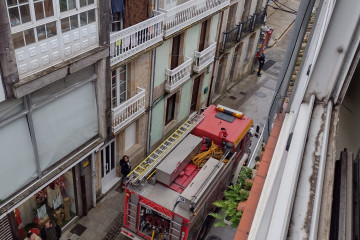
(170, 193)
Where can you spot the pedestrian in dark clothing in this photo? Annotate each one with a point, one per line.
(261, 60)
(125, 169)
(51, 231)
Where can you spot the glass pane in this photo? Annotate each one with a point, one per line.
(63, 5)
(10, 107)
(91, 16)
(65, 26)
(39, 10)
(83, 19)
(29, 36)
(49, 9)
(17, 156)
(14, 16)
(82, 3)
(25, 13)
(11, 3)
(18, 40)
(74, 22)
(51, 29)
(90, 2)
(41, 35)
(23, 1)
(71, 4)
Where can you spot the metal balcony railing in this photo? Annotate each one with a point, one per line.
(190, 12)
(204, 58)
(128, 111)
(134, 39)
(241, 30)
(178, 75)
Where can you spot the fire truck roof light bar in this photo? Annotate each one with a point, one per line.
(230, 111)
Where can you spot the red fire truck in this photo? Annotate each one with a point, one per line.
(170, 193)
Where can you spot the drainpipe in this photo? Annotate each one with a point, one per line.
(93, 178)
(151, 97)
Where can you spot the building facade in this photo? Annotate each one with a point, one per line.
(53, 110)
(238, 43)
(84, 82)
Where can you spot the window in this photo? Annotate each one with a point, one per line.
(69, 23)
(118, 86)
(40, 20)
(19, 11)
(46, 31)
(130, 136)
(117, 22)
(170, 109)
(87, 17)
(84, 3)
(43, 9)
(66, 5)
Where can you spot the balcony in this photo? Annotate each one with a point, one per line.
(128, 111)
(190, 12)
(177, 76)
(242, 29)
(134, 39)
(204, 58)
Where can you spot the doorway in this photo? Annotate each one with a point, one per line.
(195, 93)
(108, 166)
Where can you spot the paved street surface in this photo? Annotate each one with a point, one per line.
(253, 96)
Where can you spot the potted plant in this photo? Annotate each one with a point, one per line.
(228, 214)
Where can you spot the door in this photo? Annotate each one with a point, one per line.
(108, 166)
(195, 94)
(175, 52)
(203, 35)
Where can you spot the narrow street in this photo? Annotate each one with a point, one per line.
(252, 95)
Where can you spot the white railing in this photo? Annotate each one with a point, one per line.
(128, 111)
(190, 12)
(134, 39)
(204, 58)
(178, 76)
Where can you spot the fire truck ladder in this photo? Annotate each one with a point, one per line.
(140, 173)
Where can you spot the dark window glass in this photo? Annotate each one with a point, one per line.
(18, 40)
(29, 36)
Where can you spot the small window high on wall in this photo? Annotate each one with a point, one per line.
(170, 109)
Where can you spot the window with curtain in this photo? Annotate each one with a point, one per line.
(17, 165)
(130, 136)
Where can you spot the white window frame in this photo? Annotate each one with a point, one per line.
(33, 23)
(118, 82)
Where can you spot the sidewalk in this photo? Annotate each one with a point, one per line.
(102, 222)
(250, 96)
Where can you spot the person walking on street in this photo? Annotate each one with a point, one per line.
(50, 231)
(261, 60)
(125, 169)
